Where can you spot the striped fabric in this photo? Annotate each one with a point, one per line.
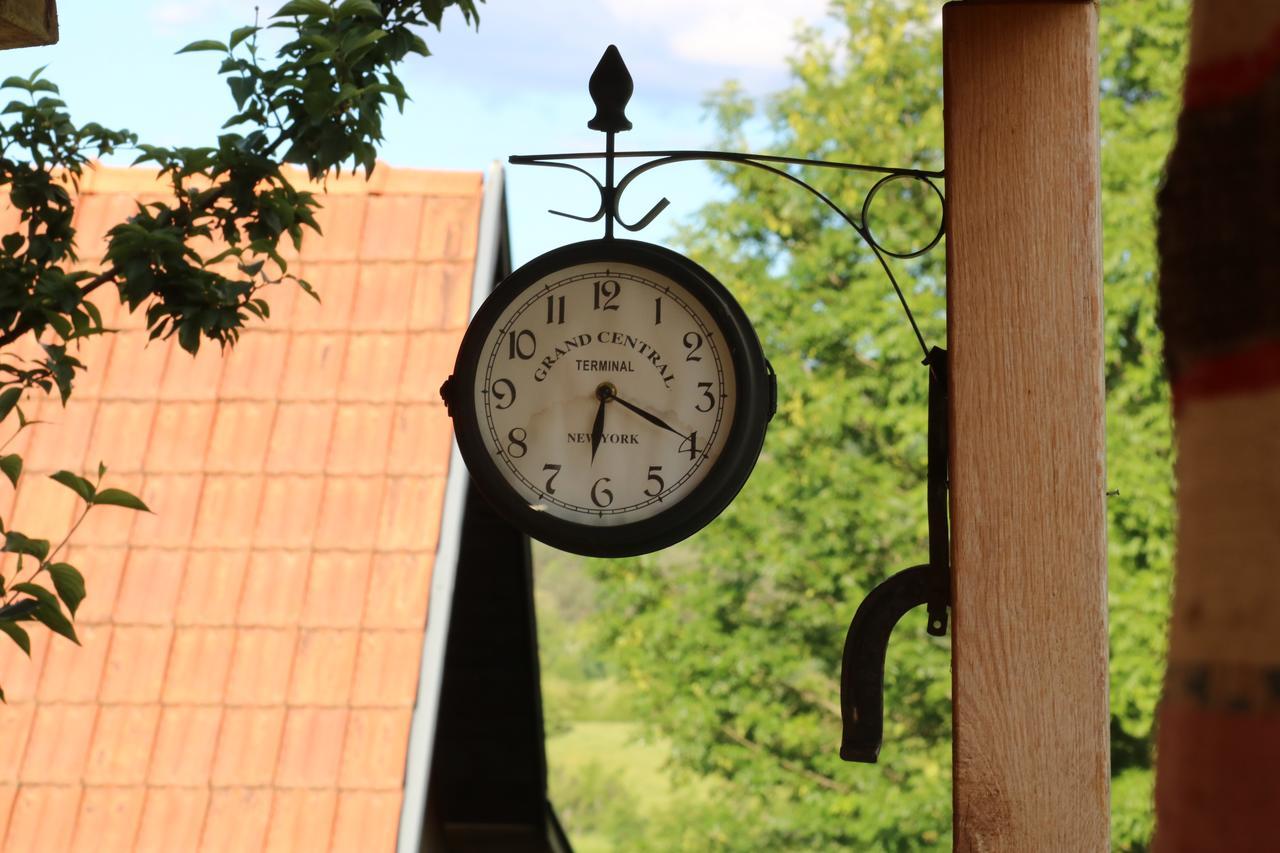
(1218, 751)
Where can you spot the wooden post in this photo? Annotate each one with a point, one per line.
(1025, 335)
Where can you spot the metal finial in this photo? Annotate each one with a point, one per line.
(610, 88)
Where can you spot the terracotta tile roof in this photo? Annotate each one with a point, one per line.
(251, 651)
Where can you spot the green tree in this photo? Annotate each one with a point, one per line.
(734, 640)
(317, 101)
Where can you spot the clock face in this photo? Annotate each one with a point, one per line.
(610, 398)
(606, 394)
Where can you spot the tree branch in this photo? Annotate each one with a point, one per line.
(812, 775)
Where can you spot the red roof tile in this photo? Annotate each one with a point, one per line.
(58, 744)
(248, 746)
(302, 821)
(251, 650)
(185, 741)
(108, 819)
(121, 747)
(172, 819)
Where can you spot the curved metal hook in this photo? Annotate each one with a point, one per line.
(862, 667)
(599, 214)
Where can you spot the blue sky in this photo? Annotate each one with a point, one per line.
(518, 86)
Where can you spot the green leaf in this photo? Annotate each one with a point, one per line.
(48, 612)
(204, 44)
(69, 583)
(240, 34)
(75, 483)
(20, 543)
(17, 633)
(9, 399)
(19, 609)
(300, 7)
(11, 465)
(119, 497)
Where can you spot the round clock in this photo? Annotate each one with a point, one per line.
(610, 398)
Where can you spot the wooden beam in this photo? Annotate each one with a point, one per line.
(24, 23)
(1025, 333)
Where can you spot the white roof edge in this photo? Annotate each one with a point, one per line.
(422, 728)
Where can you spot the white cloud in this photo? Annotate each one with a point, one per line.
(754, 34)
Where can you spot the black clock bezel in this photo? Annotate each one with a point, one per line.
(753, 407)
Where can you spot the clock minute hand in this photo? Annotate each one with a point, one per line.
(651, 418)
(597, 429)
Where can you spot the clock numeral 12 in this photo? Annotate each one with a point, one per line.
(606, 292)
(555, 310)
(657, 311)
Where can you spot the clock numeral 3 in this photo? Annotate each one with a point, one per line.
(606, 292)
(693, 343)
(555, 470)
(521, 344)
(508, 396)
(655, 472)
(517, 438)
(689, 445)
(705, 388)
(598, 493)
(555, 310)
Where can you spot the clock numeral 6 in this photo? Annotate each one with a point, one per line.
(655, 472)
(693, 343)
(597, 493)
(555, 470)
(521, 344)
(606, 292)
(517, 438)
(508, 396)
(705, 388)
(689, 445)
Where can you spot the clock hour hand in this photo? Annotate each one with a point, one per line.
(597, 429)
(651, 418)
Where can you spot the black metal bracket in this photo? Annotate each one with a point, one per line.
(611, 88)
(867, 643)
(862, 669)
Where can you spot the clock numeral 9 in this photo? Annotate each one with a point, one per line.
(521, 344)
(606, 292)
(555, 310)
(689, 445)
(517, 438)
(555, 471)
(655, 472)
(705, 388)
(597, 492)
(508, 396)
(693, 343)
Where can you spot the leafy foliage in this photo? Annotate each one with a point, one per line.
(198, 261)
(734, 641)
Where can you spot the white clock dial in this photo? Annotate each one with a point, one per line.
(605, 393)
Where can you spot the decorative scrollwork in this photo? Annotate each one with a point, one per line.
(611, 194)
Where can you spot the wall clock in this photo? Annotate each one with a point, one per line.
(610, 398)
